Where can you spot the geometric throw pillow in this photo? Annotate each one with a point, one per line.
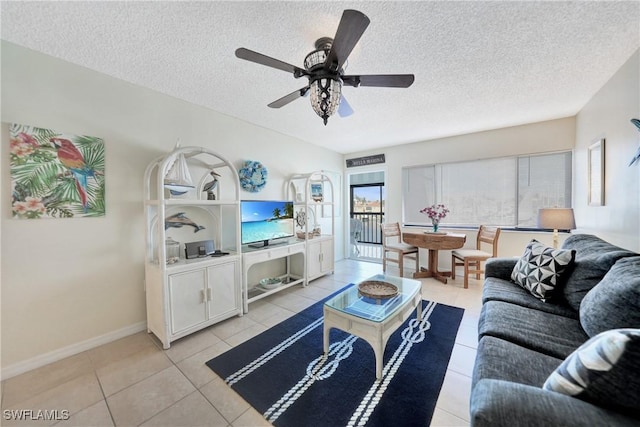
(605, 371)
(540, 268)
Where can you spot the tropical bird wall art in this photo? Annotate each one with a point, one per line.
(71, 158)
(54, 174)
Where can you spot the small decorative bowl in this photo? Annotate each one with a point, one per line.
(377, 289)
(270, 282)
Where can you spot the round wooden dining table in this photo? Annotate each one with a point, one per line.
(434, 242)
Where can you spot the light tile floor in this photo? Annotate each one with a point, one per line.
(133, 382)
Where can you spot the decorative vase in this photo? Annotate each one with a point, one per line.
(435, 224)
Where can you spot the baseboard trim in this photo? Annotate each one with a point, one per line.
(71, 350)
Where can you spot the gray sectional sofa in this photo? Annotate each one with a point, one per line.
(524, 340)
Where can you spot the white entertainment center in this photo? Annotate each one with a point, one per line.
(187, 291)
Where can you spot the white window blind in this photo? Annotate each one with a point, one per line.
(418, 192)
(505, 191)
(544, 181)
(479, 192)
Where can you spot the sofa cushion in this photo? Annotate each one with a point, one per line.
(613, 303)
(500, 268)
(546, 333)
(504, 360)
(540, 269)
(605, 371)
(498, 403)
(594, 258)
(507, 291)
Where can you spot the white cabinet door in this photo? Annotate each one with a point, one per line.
(327, 256)
(187, 299)
(320, 256)
(222, 288)
(314, 254)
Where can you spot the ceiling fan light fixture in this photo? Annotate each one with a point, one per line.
(324, 67)
(325, 96)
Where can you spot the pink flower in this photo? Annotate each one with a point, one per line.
(25, 138)
(435, 212)
(19, 207)
(21, 147)
(33, 203)
(32, 207)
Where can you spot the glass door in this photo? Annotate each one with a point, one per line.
(366, 215)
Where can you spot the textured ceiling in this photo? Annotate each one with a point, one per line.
(478, 65)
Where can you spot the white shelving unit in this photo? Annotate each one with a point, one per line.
(318, 230)
(190, 294)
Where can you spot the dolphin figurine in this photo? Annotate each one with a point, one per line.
(179, 220)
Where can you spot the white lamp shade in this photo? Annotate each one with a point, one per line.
(556, 219)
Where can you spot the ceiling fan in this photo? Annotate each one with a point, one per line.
(324, 69)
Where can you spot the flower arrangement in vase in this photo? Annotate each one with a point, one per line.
(436, 213)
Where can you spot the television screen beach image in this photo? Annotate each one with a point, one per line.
(265, 220)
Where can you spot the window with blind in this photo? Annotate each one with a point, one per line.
(505, 191)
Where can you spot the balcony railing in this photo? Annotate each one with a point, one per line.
(370, 226)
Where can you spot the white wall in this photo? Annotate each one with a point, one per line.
(549, 136)
(68, 284)
(607, 115)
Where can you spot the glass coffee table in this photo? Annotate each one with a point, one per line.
(372, 319)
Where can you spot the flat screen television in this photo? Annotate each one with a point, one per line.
(266, 222)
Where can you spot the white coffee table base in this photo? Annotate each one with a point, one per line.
(375, 333)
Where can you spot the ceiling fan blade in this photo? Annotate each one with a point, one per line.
(289, 98)
(379, 80)
(351, 27)
(259, 58)
(344, 109)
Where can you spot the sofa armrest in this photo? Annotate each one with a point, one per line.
(500, 268)
(496, 403)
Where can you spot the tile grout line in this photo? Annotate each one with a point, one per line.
(104, 397)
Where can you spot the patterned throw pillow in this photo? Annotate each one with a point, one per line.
(605, 371)
(540, 268)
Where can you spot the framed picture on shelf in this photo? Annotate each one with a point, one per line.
(316, 192)
(596, 173)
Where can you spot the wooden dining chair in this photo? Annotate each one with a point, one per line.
(471, 259)
(392, 243)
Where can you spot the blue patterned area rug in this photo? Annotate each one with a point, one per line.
(283, 375)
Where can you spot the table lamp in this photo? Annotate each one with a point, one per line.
(556, 219)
